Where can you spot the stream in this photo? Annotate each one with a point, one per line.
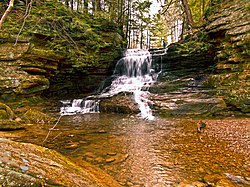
(137, 152)
(143, 150)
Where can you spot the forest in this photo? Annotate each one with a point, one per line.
(170, 20)
(125, 93)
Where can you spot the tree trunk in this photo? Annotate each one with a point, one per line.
(188, 12)
(67, 3)
(86, 6)
(72, 4)
(182, 30)
(141, 39)
(93, 6)
(98, 5)
(203, 8)
(11, 4)
(128, 22)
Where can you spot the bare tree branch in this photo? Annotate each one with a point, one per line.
(11, 4)
(27, 13)
(166, 7)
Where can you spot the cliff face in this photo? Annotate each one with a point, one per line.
(212, 63)
(229, 32)
(58, 54)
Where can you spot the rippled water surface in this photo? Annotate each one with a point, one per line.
(136, 152)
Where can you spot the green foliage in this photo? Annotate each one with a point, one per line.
(194, 47)
(77, 36)
(198, 9)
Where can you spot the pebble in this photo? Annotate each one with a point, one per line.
(102, 131)
(24, 168)
(111, 153)
(72, 145)
(89, 154)
(187, 183)
(109, 160)
(129, 183)
(212, 178)
(99, 159)
(18, 119)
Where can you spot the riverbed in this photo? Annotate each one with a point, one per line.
(160, 152)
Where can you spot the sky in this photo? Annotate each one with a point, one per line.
(154, 7)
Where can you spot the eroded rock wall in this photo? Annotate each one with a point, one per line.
(214, 61)
(229, 32)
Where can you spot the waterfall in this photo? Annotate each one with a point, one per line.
(133, 73)
(79, 106)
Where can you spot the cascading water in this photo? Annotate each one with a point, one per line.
(132, 74)
(79, 106)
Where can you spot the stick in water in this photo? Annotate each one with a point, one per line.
(51, 130)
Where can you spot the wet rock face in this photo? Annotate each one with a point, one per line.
(121, 103)
(30, 68)
(220, 51)
(23, 164)
(229, 32)
(185, 96)
(23, 71)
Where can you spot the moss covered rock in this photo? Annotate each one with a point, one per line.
(9, 125)
(24, 164)
(121, 103)
(57, 51)
(229, 28)
(221, 52)
(6, 112)
(35, 116)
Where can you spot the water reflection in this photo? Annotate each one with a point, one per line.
(140, 146)
(138, 152)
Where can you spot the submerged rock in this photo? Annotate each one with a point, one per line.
(36, 116)
(24, 164)
(10, 125)
(187, 183)
(8, 119)
(6, 112)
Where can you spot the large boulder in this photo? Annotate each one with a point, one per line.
(122, 103)
(24, 164)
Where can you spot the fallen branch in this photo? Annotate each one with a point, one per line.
(11, 4)
(27, 13)
(51, 129)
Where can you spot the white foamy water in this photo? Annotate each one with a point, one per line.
(79, 106)
(132, 74)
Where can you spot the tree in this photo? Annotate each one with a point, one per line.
(188, 13)
(138, 23)
(85, 5)
(8, 10)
